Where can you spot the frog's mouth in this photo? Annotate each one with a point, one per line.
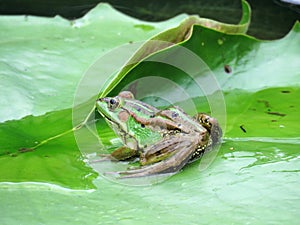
(129, 140)
(105, 109)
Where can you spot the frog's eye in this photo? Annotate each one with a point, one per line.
(113, 103)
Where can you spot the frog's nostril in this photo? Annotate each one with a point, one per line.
(102, 100)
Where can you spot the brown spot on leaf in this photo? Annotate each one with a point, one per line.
(243, 129)
(266, 103)
(227, 69)
(276, 113)
(23, 150)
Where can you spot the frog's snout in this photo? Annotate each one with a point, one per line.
(102, 100)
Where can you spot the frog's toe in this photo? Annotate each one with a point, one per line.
(103, 158)
(131, 173)
(216, 134)
(115, 174)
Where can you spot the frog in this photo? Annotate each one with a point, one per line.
(162, 140)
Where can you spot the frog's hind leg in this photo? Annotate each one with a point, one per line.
(182, 152)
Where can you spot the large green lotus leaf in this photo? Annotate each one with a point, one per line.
(261, 92)
(41, 76)
(203, 41)
(254, 176)
(47, 164)
(42, 61)
(177, 35)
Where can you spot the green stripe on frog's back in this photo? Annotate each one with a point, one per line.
(144, 135)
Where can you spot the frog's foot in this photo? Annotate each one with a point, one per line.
(122, 175)
(213, 127)
(151, 170)
(104, 157)
(134, 173)
(109, 157)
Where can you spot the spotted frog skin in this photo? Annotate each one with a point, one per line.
(164, 141)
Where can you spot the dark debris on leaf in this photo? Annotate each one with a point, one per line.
(23, 150)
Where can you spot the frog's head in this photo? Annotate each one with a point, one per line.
(117, 111)
(111, 108)
(125, 115)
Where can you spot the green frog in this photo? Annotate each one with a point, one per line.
(163, 141)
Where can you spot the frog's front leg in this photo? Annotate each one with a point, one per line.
(167, 158)
(122, 153)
